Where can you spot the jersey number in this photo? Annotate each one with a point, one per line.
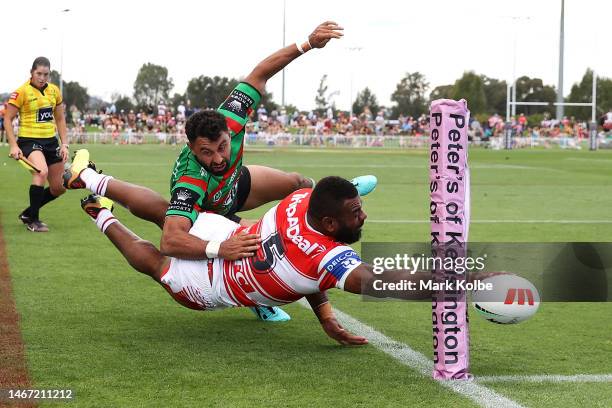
(273, 249)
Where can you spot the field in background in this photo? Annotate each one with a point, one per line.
(92, 324)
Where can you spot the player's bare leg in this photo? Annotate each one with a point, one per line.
(268, 184)
(142, 202)
(140, 254)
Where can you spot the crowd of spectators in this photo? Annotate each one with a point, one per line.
(166, 124)
(495, 126)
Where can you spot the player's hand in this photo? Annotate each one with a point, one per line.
(64, 153)
(334, 330)
(15, 152)
(323, 33)
(241, 245)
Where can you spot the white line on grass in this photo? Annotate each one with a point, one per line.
(546, 378)
(403, 353)
(498, 221)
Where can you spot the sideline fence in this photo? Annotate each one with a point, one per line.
(342, 141)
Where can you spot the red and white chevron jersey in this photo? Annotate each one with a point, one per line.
(292, 261)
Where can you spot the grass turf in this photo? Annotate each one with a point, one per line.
(92, 324)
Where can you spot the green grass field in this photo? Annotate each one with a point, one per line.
(92, 324)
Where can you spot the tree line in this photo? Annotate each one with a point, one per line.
(411, 97)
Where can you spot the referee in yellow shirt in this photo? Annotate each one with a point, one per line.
(40, 108)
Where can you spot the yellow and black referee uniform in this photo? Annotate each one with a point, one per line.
(37, 131)
(36, 121)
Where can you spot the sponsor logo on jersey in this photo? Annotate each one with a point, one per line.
(183, 200)
(293, 231)
(239, 103)
(230, 197)
(44, 115)
(342, 263)
(14, 96)
(183, 195)
(235, 106)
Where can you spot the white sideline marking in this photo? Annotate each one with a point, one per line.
(403, 353)
(590, 160)
(498, 221)
(578, 378)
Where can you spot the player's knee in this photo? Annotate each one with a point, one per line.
(150, 260)
(40, 178)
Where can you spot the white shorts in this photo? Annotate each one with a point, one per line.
(191, 282)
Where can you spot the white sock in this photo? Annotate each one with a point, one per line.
(96, 182)
(105, 219)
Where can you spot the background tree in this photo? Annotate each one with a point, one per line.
(471, 88)
(321, 98)
(533, 90)
(409, 95)
(441, 92)
(54, 77)
(365, 98)
(176, 99)
(291, 109)
(152, 84)
(495, 94)
(75, 95)
(209, 92)
(583, 92)
(122, 102)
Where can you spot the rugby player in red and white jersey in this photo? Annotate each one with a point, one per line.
(303, 251)
(209, 173)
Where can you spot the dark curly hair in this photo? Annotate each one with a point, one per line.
(206, 123)
(328, 197)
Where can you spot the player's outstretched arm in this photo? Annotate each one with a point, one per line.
(322, 309)
(267, 68)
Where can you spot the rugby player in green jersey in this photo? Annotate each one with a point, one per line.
(209, 176)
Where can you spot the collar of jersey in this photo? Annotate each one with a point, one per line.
(42, 91)
(309, 227)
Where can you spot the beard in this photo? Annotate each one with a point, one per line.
(220, 172)
(347, 235)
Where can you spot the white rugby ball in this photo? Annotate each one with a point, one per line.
(512, 299)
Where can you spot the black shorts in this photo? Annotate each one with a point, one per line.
(242, 193)
(48, 146)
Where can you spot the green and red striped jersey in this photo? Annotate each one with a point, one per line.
(193, 189)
